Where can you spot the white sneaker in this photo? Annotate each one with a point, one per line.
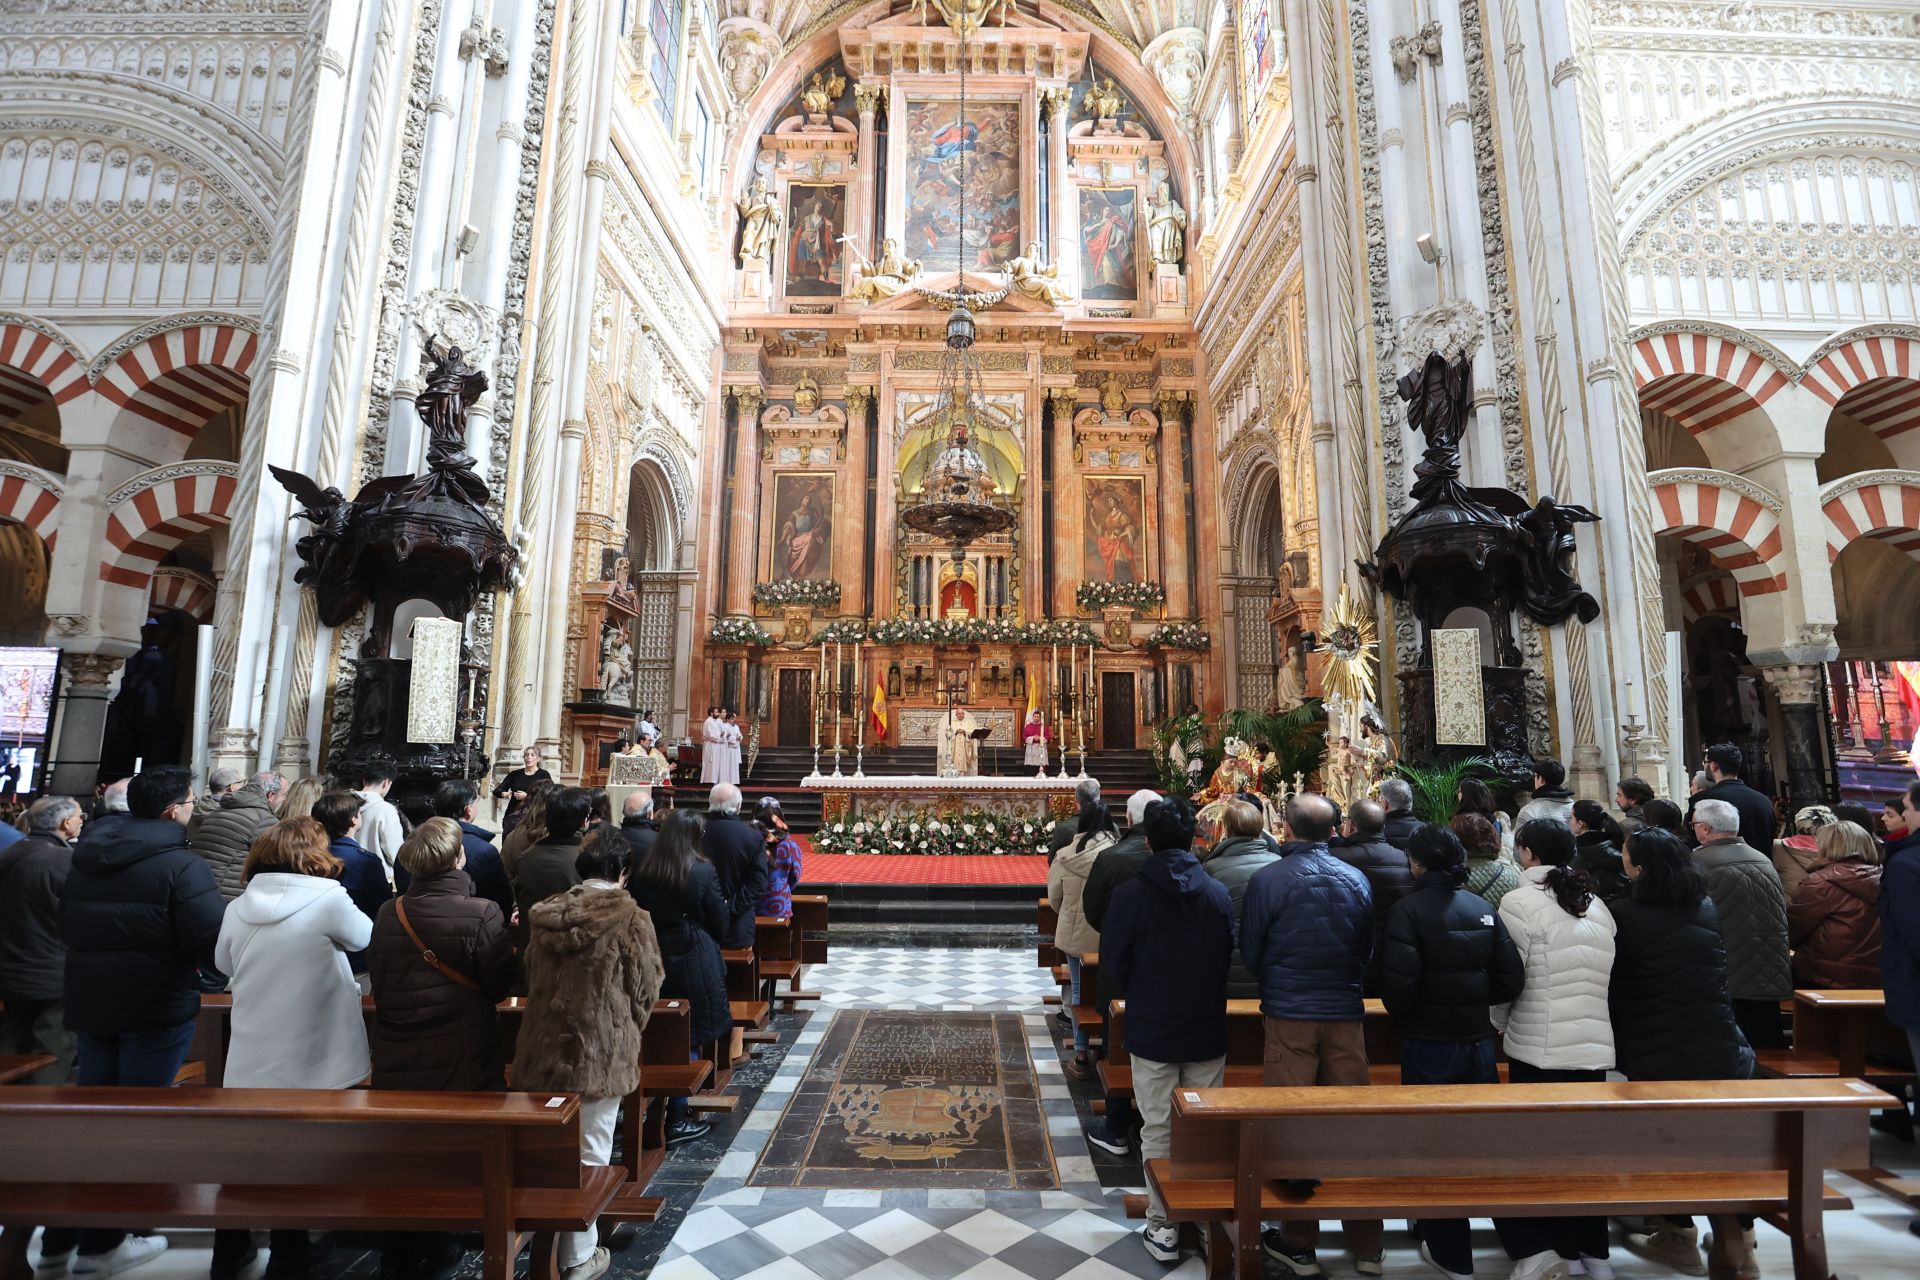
(1592, 1268)
(1162, 1240)
(1107, 1144)
(53, 1264)
(130, 1253)
(593, 1268)
(1428, 1259)
(1545, 1265)
(1672, 1245)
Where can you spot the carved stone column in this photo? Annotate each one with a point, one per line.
(1796, 685)
(83, 722)
(856, 554)
(1171, 406)
(866, 99)
(743, 538)
(885, 503)
(1066, 504)
(1061, 250)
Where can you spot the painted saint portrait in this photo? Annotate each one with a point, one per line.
(1107, 263)
(937, 141)
(1116, 530)
(816, 219)
(802, 527)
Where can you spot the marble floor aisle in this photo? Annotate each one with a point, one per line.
(718, 1228)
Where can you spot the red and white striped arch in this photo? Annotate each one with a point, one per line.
(182, 589)
(174, 503)
(1702, 380)
(1886, 508)
(184, 376)
(30, 497)
(1738, 531)
(1708, 595)
(1875, 380)
(35, 368)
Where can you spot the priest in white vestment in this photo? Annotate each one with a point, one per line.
(730, 749)
(960, 752)
(712, 746)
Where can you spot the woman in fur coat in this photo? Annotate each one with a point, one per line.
(593, 972)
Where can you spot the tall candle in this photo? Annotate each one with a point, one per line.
(839, 666)
(820, 696)
(859, 696)
(1633, 701)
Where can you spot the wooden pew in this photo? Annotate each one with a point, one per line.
(1735, 1146)
(1088, 1014)
(501, 1164)
(20, 1066)
(776, 942)
(810, 923)
(1246, 1047)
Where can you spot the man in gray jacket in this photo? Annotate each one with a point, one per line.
(1746, 893)
(1243, 849)
(224, 836)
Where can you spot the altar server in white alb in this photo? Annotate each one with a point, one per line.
(730, 748)
(712, 746)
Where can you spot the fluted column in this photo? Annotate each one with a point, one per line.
(866, 99)
(1062, 252)
(886, 479)
(1171, 406)
(854, 553)
(743, 538)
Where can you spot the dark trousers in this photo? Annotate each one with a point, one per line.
(1571, 1238)
(29, 1027)
(233, 1247)
(1448, 1240)
(1759, 1021)
(132, 1059)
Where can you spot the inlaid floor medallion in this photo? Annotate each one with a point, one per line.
(915, 1100)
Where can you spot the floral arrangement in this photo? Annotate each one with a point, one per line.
(1181, 635)
(1141, 595)
(849, 632)
(797, 591)
(923, 831)
(738, 631)
(971, 631)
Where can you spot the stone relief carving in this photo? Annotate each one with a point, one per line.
(1407, 51)
(1452, 328)
(458, 319)
(1178, 59)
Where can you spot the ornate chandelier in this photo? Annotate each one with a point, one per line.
(957, 505)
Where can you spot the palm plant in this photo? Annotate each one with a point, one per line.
(1297, 737)
(1436, 787)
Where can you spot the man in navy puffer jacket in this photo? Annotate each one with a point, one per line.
(1306, 931)
(1168, 941)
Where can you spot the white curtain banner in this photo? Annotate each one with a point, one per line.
(433, 692)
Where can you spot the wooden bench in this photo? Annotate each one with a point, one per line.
(776, 942)
(1536, 1150)
(1048, 923)
(810, 926)
(20, 1066)
(501, 1164)
(1246, 1047)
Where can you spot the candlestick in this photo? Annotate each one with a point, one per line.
(859, 696)
(1080, 703)
(839, 678)
(819, 700)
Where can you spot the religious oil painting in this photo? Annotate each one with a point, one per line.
(802, 526)
(816, 219)
(1116, 532)
(1107, 261)
(987, 140)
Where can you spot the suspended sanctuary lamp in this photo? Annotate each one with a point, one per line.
(957, 505)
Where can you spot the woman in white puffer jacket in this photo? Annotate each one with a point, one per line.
(1559, 1029)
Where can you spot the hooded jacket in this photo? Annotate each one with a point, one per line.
(1389, 874)
(1667, 994)
(1553, 803)
(296, 1008)
(224, 836)
(1795, 858)
(1306, 932)
(1168, 942)
(1595, 855)
(430, 1032)
(1833, 925)
(33, 959)
(139, 914)
(1559, 1021)
(1234, 862)
(1900, 931)
(1446, 960)
(1066, 887)
(593, 972)
(1753, 919)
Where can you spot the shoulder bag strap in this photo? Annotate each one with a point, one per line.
(426, 952)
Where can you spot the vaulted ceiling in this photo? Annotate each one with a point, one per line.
(1135, 22)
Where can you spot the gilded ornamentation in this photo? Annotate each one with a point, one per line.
(1103, 101)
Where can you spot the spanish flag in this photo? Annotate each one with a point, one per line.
(877, 718)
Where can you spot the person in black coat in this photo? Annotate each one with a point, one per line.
(1389, 874)
(738, 851)
(1396, 795)
(1447, 959)
(547, 868)
(1597, 839)
(679, 889)
(637, 823)
(460, 800)
(140, 914)
(1117, 864)
(1757, 823)
(1672, 1018)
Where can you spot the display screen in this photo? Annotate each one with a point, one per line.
(28, 679)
